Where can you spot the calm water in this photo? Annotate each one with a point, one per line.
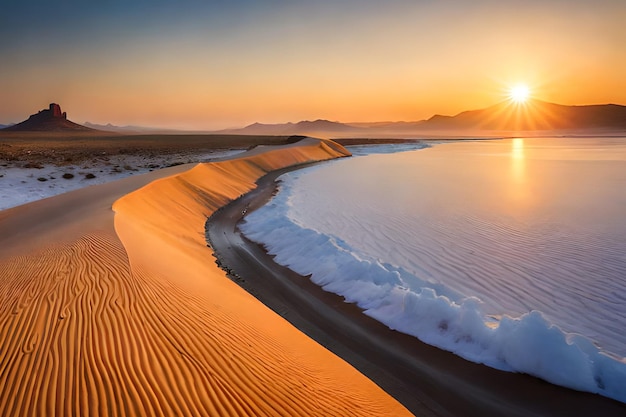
(522, 224)
(464, 234)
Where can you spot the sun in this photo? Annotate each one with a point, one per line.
(519, 93)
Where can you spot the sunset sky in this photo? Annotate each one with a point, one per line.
(217, 64)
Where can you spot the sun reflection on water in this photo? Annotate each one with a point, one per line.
(519, 190)
(518, 162)
(518, 148)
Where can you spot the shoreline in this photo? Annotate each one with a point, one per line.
(111, 305)
(426, 380)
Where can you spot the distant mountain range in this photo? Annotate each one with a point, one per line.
(300, 128)
(534, 117)
(130, 128)
(51, 119)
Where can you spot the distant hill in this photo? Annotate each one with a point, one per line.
(534, 115)
(305, 127)
(49, 120)
(135, 129)
(109, 127)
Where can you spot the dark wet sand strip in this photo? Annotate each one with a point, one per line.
(426, 380)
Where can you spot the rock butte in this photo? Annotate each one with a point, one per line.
(50, 119)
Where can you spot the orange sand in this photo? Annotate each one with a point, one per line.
(126, 313)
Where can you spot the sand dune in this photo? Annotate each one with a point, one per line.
(125, 312)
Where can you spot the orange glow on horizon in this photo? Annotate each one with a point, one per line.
(341, 61)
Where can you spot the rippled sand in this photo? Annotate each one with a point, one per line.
(123, 311)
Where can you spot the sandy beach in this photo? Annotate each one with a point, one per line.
(111, 303)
